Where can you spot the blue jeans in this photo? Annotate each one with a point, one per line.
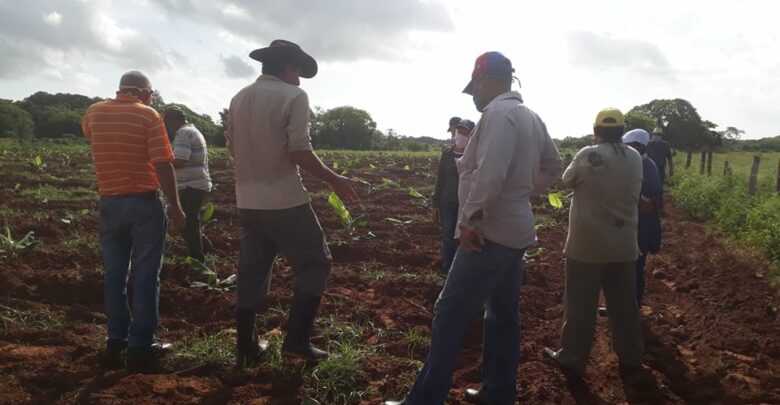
(488, 281)
(448, 218)
(132, 236)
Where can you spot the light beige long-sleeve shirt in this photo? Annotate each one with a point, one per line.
(268, 120)
(509, 157)
(607, 180)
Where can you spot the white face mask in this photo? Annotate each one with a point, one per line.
(656, 138)
(461, 141)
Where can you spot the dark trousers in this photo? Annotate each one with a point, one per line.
(640, 278)
(293, 232)
(485, 282)
(191, 202)
(448, 218)
(581, 298)
(132, 238)
(662, 179)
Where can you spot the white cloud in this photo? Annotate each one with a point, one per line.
(54, 19)
(80, 28)
(235, 67)
(591, 50)
(334, 30)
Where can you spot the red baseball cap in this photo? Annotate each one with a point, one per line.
(490, 63)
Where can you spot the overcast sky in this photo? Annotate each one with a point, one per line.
(406, 61)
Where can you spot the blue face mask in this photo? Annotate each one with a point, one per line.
(479, 103)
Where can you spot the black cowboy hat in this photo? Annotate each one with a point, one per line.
(286, 50)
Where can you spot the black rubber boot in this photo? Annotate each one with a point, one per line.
(299, 328)
(248, 346)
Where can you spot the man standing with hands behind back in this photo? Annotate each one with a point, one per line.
(509, 157)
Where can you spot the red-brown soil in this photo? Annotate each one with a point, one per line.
(710, 319)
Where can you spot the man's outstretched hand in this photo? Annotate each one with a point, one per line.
(346, 187)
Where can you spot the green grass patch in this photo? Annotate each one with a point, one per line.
(48, 193)
(210, 348)
(371, 272)
(723, 200)
(17, 319)
(339, 379)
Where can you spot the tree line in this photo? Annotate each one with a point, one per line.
(683, 129)
(45, 115)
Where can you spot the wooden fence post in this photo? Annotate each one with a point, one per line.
(754, 175)
(703, 161)
(778, 176)
(709, 162)
(688, 160)
(726, 168)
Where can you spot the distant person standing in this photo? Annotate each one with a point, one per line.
(133, 158)
(191, 161)
(454, 121)
(649, 225)
(601, 248)
(661, 153)
(445, 195)
(268, 135)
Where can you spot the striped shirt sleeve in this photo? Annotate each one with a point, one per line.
(158, 147)
(182, 145)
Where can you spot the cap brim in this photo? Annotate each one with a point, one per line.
(308, 64)
(469, 88)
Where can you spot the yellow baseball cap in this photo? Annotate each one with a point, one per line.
(610, 118)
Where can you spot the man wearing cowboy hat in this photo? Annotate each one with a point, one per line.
(268, 135)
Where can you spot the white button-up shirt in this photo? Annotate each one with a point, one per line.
(509, 157)
(268, 120)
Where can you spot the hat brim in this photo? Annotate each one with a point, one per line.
(469, 88)
(307, 63)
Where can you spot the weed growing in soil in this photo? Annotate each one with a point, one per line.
(46, 193)
(339, 379)
(717, 367)
(16, 319)
(11, 247)
(424, 276)
(415, 339)
(370, 272)
(210, 348)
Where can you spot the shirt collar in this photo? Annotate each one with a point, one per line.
(505, 96)
(127, 98)
(269, 77)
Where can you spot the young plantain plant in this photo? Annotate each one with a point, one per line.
(212, 278)
(349, 225)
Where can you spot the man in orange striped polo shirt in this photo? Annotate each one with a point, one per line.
(133, 158)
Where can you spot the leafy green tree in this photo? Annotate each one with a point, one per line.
(14, 121)
(732, 133)
(57, 114)
(344, 128)
(576, 143)
(639, 120)
(681, 123)
(56, 121)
